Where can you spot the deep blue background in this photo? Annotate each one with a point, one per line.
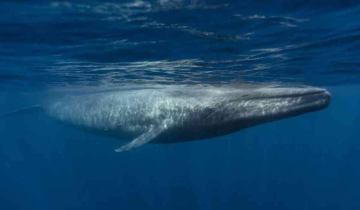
(307, 162)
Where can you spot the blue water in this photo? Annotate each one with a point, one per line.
(307, 162)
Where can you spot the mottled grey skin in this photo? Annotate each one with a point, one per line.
(184, 114)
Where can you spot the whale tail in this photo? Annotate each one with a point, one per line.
(27, 110)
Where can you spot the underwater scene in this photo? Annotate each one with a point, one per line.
(179, 104)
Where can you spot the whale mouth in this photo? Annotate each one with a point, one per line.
(278, 103)
(266, 105)
(299, 101)
(317, 99)
(291, 93)
(301, 95)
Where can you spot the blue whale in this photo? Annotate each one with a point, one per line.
(179, 114)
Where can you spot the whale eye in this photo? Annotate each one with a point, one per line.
(246, 95)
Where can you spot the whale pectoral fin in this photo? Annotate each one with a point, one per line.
(142, 139)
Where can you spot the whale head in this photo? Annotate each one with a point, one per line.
(252, 107)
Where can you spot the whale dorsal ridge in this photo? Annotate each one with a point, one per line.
(142, 139)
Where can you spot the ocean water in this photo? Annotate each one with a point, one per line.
(308, 162)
